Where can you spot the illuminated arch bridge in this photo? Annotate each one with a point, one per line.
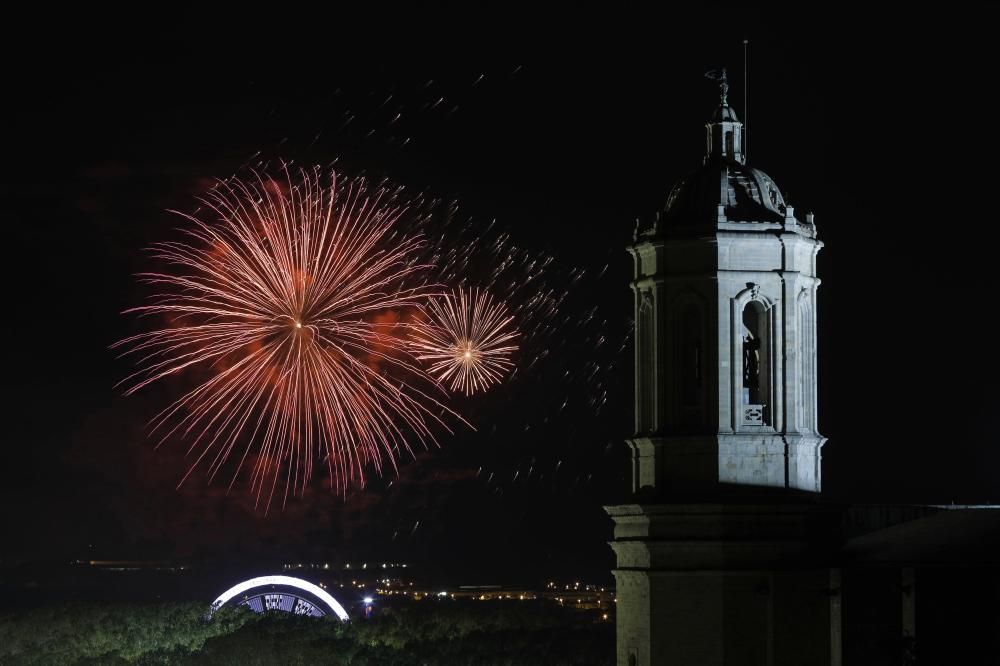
(280, 593)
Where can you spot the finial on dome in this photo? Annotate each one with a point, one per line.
(725, 132)
(720, 76)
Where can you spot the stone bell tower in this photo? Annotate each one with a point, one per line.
(725, 343)
(721, 556)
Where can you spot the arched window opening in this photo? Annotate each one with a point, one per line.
(730, 145)
(807, 368)
(690, 366)
(756, 365)
(646, 368)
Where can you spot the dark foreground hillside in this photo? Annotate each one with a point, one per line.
(453, 633)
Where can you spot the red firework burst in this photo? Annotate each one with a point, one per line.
(291, 297)
(466, 337)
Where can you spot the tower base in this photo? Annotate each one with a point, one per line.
(725, 584)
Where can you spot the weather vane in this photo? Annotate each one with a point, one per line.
(720, 76)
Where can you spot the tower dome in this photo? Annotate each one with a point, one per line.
(725, 190)
(726, 193)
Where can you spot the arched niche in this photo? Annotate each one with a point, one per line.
(646, 362)
(689, 363)
(806, 394)
(755, 361)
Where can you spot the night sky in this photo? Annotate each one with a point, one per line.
(884, 132)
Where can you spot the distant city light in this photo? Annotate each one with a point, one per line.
(368, 600)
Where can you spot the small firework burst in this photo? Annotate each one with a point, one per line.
(467, 337)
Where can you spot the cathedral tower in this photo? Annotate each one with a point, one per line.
(720, 556)
(725, 347)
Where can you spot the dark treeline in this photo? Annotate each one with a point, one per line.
(429, 633)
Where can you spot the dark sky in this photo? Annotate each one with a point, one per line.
(880, 126)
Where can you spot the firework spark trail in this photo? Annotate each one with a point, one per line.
(467, 338)
(543, 292)
(281, 299)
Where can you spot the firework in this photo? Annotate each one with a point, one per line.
(292, 301)
(467, 339)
